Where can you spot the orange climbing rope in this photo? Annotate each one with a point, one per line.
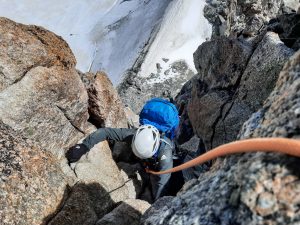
(281, 145)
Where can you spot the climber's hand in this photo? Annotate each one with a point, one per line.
(75, 152)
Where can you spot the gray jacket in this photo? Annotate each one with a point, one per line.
(164, 160)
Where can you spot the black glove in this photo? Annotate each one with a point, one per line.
(75, 152)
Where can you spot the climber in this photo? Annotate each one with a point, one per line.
(152, 142)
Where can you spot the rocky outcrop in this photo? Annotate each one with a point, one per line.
(32, 184)
(128, 213)
(105, 106)
(98, 166)
(288, 28)
(261, 188)
(41, 95)
(136, 90)
(43, 99)
(279, 116)
(224, 95)
(232, 18)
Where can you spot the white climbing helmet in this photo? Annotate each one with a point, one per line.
(145, 142)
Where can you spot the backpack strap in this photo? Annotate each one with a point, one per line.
(167, 142)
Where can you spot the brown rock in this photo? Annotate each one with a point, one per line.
(41, 95)
(105, 107)
(132, 118)
(31, 182)
(25, 47)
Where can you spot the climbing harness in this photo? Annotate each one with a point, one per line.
(280, 145)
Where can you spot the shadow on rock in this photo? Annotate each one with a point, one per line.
(83, 204)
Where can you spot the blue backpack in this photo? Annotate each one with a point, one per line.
(162, 114)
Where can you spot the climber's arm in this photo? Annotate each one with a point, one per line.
(102, 134)
(114, 134)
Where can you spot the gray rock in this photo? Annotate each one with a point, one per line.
(278, 117)
(32, 184)
(290, 5)
(128, 213)
(225, 94)
(220, 64)
(182, 100)
(192, 145)
(288, 28)
(246, 17)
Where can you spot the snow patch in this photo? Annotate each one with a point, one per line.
(123, 33)
(183, 29)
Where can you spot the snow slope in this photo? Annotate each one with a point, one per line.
(122, 34)
(109, 35)
(182, 30)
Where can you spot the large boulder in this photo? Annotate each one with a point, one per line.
(98, 166)
(231, 73)
(257, 188)
(26, 47)
(105, 106)
(100, 187)
(32, 184)
(41, 94)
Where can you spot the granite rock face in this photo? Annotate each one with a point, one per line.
(43, 98)
(26, 47)
(233, 18)
(105, 106)
(32, 184)
(100, 187)
(41, 94)
(257, 188)
(98, 166)
(279, 115)
(224, 95)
